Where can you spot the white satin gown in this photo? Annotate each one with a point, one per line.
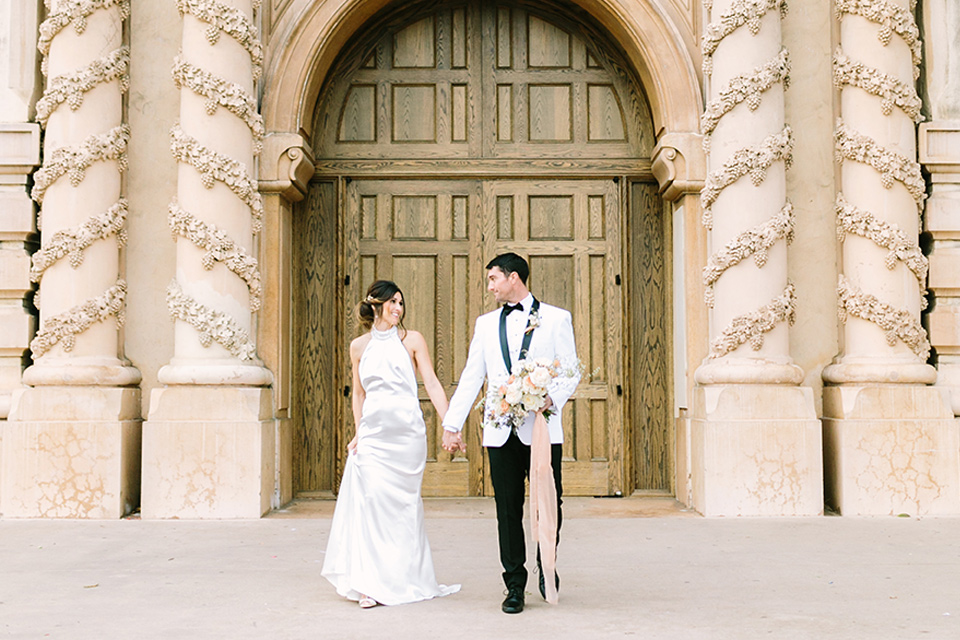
(378, 545)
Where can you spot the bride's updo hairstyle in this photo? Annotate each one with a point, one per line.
(372, 305)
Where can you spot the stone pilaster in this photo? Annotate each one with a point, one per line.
(878, 464)
(73, 432)
(20, 86)
(20, 144)
(217, 289)
(940, 156)
(755, 441)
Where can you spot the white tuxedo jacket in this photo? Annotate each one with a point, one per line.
(553, 339)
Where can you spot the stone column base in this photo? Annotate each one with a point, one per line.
(71, 452)
(756, 450)
(891, 449)
(208, 452)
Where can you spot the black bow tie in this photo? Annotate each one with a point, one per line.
(507, 308)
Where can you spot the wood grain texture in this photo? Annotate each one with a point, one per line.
(650, 352)
(316, 314)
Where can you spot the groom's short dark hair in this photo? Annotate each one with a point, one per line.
(511, 263)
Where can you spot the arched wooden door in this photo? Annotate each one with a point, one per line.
(447, 136)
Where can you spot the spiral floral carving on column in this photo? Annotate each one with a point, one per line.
(220, 93)
(753, 242)
(753, 161)
(750, 327)
(72, 242)
(851, 219)
(891, 166)
(741, 12)
(223, 18)
(73, 161)
(892, 92)
(850, 145)
(748, 88)
(73, 12)
(70, 87)
(66, 326)
(220, 248)
(897, 324)
(213, 167)
(892, 19)
(211, 325)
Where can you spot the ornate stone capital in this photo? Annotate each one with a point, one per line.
(679, 164)
(286, 166)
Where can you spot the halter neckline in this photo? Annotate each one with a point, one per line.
(377, 333)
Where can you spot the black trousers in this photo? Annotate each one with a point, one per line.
(509, 467)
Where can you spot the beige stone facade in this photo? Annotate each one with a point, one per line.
(161, 161)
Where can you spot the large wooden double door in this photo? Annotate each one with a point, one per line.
(450, 131)
(433, 237)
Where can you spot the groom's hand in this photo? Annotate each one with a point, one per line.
(548, 403)
(452, 441)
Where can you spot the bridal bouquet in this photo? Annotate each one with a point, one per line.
(524, 391)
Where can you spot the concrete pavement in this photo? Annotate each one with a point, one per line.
(631, 568)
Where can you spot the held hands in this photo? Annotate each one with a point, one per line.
(452, 442)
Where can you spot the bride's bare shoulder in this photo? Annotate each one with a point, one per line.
(358, 345)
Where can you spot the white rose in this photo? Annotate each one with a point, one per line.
(532, 402)
(529, 386)
(541, 376)
(513, 395)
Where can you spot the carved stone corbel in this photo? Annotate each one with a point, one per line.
(286, 166)
(679, 164)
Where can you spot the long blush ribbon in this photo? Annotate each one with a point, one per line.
(543, 504)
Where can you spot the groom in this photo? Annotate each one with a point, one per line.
(523, 328)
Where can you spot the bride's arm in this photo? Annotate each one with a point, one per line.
(359, 395)
(421, 356)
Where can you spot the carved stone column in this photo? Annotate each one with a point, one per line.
(891, 444)
(72, 448)
(940, 155)
(209, 445)
(755, 440)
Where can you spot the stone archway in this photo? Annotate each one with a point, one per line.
(313, 38)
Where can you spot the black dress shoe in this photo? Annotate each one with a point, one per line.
(513, 603)
(543, 586)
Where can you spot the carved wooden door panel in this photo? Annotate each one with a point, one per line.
(570, 231)
(422, 234)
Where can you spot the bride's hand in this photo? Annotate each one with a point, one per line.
(452, 441)
(352, 446)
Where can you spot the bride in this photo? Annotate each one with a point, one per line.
(378, 551)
